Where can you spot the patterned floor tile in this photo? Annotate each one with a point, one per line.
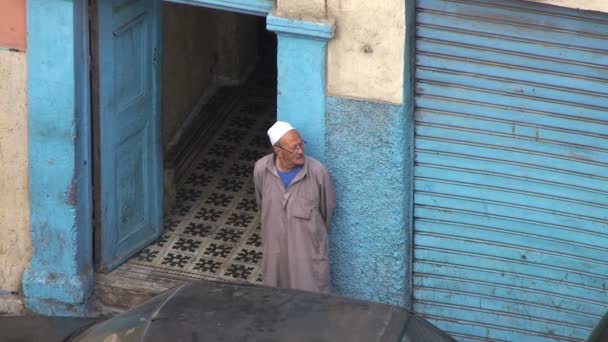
(213, 232)
(199, 230)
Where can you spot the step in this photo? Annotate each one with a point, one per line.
(117, 291)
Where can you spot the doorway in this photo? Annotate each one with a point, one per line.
(218, 98)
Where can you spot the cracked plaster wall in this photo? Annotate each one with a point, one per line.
(15, 244)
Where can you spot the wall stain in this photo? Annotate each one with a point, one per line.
(43, 233)
(53, 277)
(72, 193)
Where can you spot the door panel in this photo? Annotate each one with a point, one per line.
(130, 180)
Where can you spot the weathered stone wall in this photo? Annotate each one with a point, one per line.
(15, 246)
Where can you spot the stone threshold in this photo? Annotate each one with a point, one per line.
(121, 290)
(12, 305)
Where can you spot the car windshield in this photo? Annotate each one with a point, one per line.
(126, 327)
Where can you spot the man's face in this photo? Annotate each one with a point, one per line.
(290, 149)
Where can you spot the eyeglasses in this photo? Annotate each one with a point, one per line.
(298, 146)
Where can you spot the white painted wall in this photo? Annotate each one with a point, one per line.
(302, 9)
(365, 59)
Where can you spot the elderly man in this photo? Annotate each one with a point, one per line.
(296, 200)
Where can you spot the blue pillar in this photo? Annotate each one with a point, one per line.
(59, 279)
(301, 59)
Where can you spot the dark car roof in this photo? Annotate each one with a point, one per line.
(39, 328)
(216, 311)
(208, 312)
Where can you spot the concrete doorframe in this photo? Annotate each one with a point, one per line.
(60, 278)
(253, 7)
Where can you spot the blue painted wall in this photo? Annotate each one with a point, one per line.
(59, 278)
(301, 58)
(368, 155)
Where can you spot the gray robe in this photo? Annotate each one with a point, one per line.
(294, 225)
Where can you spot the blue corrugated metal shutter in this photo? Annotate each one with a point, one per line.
(511, 174)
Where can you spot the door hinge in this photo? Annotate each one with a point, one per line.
(155, 57)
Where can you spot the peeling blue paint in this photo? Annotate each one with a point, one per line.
(59, 279)
(301, 58)
(368, 155)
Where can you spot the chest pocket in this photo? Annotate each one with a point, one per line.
(302, 212)
(304, 209)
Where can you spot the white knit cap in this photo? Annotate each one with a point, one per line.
(278, 130)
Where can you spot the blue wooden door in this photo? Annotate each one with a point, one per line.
(129, 129)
